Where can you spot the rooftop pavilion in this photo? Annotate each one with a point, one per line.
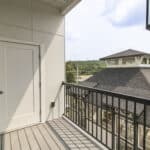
(127, 58)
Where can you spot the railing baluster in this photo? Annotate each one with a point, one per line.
(107, 120)
(71, 90)
(70, 111)
(126, 125)
(135, 145)
(113, 124)
(85, 108)
(96, 114)
(118, 123)
(144, 128)
(65, 100)
(67, 109)
(73, 103)
(81, 107)
(89, 112)
(78, 108)
(92, 99)
(101, 118)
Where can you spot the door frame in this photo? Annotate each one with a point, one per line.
(40, 47)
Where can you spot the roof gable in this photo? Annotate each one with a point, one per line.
(126, 53)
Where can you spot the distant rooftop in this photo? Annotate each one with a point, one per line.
(126, 53)
(130, 81)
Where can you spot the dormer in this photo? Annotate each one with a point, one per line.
(127, 58)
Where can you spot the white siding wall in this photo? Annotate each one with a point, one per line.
(136, 63)
(33, 21)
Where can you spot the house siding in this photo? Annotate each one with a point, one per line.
(37, 22)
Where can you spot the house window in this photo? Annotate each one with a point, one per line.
(128, 60)
(144, 61)
(113, 62)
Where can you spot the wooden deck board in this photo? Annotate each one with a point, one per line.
(23, 140)
(43, 144)
(31, 140)
(57, 134)
(55, 139)
(6, 142)
(15, 141)
(47, 137)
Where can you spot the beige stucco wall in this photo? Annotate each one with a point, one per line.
(137, 63)
(37, 22)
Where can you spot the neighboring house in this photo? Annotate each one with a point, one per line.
(131, 78)
(127, 58)
(31, 60)
(128, 73)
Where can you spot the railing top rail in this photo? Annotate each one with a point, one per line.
(110, 93)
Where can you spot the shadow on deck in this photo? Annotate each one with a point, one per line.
(57, 134)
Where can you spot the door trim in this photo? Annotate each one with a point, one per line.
(40, 48)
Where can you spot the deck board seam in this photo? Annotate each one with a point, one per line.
(19, 141)
(44, 138)
(36, 139)
(64, 134)
(26, 136)
(52, 138)
(67, 123)
(10, 140)
(62, 141)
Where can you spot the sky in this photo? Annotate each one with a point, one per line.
(97, 28)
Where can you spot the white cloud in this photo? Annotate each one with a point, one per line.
(126, 12)
(93, 28)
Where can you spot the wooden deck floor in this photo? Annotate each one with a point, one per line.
(53, 135)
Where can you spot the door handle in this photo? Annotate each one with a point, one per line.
(1, 92)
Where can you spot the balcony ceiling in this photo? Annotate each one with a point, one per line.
(63, 5)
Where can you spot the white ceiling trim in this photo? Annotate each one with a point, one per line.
(70, 6)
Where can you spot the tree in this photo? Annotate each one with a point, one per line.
(70, 77)
(70, 72)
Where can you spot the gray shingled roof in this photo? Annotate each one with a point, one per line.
(129, 81)
(126, 53)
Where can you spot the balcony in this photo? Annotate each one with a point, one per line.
(117, 121)
(93, 119)
(57, 134)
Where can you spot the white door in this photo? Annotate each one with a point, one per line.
(19, 85)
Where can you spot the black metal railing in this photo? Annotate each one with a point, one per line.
(118, 121)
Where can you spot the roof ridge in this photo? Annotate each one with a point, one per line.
(125, 53)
